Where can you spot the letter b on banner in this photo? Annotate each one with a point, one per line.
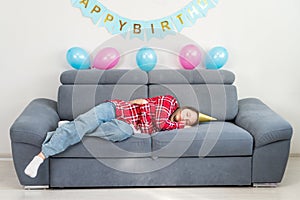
(137, 28)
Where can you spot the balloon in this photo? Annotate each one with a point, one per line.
(78, 58)
(190, 56)
(146, 59)
(216, 58)
(106, 58)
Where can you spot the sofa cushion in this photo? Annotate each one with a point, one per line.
(31, 127)
(198, 76)
(139, 145)
(83, 89)
(216, 100)
(97, 77)
(211, 139)
(74, 100)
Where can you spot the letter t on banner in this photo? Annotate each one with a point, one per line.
(180, 20)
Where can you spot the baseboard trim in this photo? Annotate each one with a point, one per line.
(5, 155)
(295, 155)
(9, 156)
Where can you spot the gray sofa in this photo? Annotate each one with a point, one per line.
(248, 145)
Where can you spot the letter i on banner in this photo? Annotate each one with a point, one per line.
(150, 30)
(153, 29)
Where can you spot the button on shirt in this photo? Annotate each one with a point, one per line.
(151, 117)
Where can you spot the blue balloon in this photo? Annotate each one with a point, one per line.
(216, 58)
(78, 58)
(146, 59)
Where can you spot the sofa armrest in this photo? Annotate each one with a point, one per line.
(38, 118)
(265, 125)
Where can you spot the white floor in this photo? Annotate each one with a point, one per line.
(288, 189)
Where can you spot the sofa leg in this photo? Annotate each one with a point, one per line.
(266, 185)
(36, 187)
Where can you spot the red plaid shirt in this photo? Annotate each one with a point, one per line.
(151, 117)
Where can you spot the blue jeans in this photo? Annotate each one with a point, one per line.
(99, 122)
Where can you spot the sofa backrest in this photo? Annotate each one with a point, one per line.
(209, 91)
(81, 90)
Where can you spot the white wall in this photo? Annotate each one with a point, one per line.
(262, 38)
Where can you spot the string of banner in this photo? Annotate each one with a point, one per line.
(158, 28)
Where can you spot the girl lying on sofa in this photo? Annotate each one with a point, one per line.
(116, 120)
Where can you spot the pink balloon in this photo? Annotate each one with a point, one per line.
(106, 58)
(190, 57)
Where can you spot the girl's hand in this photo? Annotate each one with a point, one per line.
(185, 124)
(139, 101)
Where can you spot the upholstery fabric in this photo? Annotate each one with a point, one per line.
(248, 144)
(74, 100)
(197, 76)
(218, 101)
(209, 139)
(76, 172)
(23, 154)
(264, 124)
(138, 145)
(97, 77)
(31, 127)
(269, 162)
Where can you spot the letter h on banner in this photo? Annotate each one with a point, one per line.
(90, 8)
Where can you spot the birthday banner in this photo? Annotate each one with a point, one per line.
(158, 28)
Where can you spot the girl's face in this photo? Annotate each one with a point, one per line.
(189, 116)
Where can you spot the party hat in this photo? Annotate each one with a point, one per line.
(205, 118)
